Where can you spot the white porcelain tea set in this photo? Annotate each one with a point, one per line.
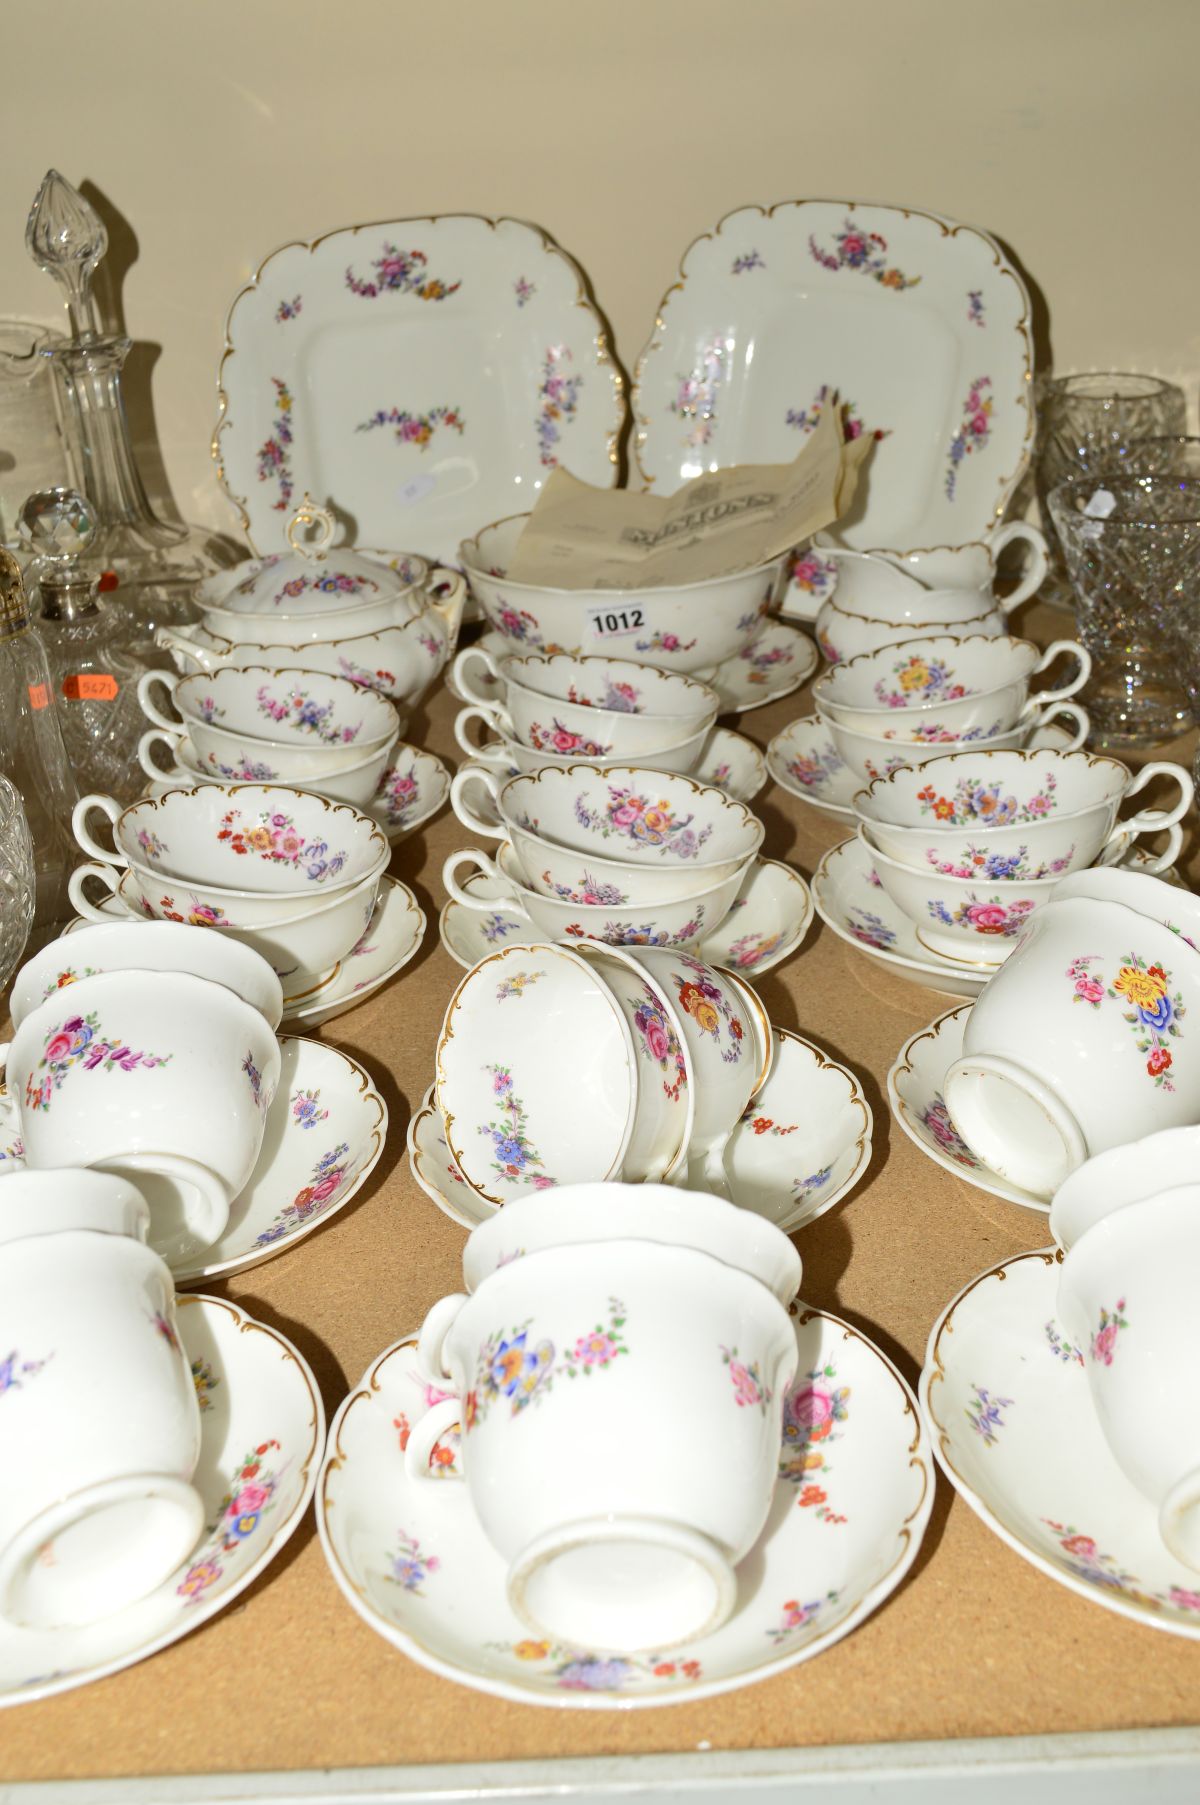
(606, 1558)
(155, 1126)
(285, 873)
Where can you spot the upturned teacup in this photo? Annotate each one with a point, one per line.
(100, 1430)
(160, 1077)
(620, 1531)
(1077, 1043)
(945, 684)
(1127, 1299)
(998, 815)
(1168, 1161)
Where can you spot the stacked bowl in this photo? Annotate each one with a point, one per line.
(564, 1064)
(607, 710)
(970, 844)
(615, 853)
(287, 874)
(913, 700)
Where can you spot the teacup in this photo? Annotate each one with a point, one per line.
(100, 1431)
(305, 721)
(666, 1079)
(254, 853)
(620, 1530)
(651, 835)
(356, 783)
(1127, 1299)
(1071, 1048)
(869, 756)
(615, 1212)
(945, 684)
(843, 635)
(589, 913)
(999, 815)
(146, 946)
(1169, 1161)
(1177, 908)
(528, 1031)
(975, 918)
(509, 754)
(608, 705)
(159, 1077)
(725, 1042)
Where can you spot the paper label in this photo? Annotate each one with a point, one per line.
(616, 622)
(39, 696)
(91, 686)
(581, 537)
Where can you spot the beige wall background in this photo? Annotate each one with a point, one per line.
(221, 129)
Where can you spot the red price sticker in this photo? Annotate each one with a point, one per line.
(93, 686)
(39, 696)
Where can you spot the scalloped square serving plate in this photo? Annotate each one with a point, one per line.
(917, 325)
(420, 377)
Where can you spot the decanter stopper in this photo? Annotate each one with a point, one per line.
(59, 526)
(66, 237)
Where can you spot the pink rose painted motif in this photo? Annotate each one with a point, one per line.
(706, 1004)
(199, 914)
(983, 915)
(977, 861)
(151, 845)
(398, 795)
(306, 1110)
(275, 454)
(974, 432)
(935, 1117)
(647, 822)
(249, 1498)
(524, 291)
(590, 890)
(415, 429)
(805, 419)
(1103, 1344)
(920, 680)
(1152, 1010)
(812, 1412)
(871, 930)
(660, 1043)
(514, 1369)
(616, 697)
(617, 933)
(814, 769)
(557, 738)
(796, 1616)
(813, 574)
(78, 1044)
(695, 400)
(297, 709)
(288, 310)
(313, 1199)
(275, 838)
(514, 1158)
(664, 642)
(401, 273)
(364, 679)
(866, 252)
(974, 804)
(558, 401)
(752, 950)
(749, 1391)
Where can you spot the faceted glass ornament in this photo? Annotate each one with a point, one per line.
(1132, 550)
(154, 565)
(1085, 427)
(16, 880)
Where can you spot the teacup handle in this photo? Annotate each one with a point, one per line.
(157, 736)
(170, 681)
(492, 717)
(1053, 651)
(424, 1437)
(470, 855)
(1036, 565)
(1056, 710)
(79, 902)
(462, 664)
(108, 805)
(1152, 820)
(465, 813)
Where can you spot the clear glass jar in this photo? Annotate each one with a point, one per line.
(32, 753)
(17, 881)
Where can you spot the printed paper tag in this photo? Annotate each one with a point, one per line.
(616, 623)
(39, 696)
(92, 686)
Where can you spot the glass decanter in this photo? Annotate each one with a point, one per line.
(156, 564)
(94, 670)
(32, 753)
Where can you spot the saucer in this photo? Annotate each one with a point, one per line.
(1006, 1400)
(389, 940)
(914, 1087)
(262, 1431)
(781, 659)
(850, 900)
(790, 1182)
(767, 923)
(411, 791)
(841, 1534)
(730, 762)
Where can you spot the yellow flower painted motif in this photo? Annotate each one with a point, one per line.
(531, 1651)
(916, 676)
(1143, 988)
